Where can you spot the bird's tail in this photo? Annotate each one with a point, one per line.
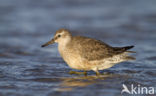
(123, 49)
(127, 47)
(130, 51)
(129, 58)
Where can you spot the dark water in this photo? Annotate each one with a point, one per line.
(26, 69)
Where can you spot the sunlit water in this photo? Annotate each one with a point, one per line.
(26, 69)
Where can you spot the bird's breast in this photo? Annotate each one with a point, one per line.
(71, 57)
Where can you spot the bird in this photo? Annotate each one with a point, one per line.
(85, 54)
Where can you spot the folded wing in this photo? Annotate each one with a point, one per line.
(92, 49)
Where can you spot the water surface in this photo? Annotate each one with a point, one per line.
(26, 69)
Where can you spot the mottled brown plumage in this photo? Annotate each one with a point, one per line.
(85, 53)
(92, 49)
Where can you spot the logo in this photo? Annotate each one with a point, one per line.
(137, 89)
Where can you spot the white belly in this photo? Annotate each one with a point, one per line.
(108, 62)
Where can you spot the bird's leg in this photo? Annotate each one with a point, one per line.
(85, 73)
(97, 73)
(78, 73)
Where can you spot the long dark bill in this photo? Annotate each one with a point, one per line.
(48, 43)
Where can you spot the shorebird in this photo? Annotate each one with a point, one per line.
(83, 53)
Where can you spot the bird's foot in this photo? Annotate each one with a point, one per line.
(78, 73)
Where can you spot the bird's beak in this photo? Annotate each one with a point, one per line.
(49, 42)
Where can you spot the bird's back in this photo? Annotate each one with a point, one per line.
(92, 49)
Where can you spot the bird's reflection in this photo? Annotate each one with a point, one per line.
(77, 81)
(70, 83)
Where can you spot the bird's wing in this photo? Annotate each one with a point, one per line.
(92, 49)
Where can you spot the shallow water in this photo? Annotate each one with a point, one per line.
(26, 69)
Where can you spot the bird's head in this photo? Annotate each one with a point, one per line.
(62, 36)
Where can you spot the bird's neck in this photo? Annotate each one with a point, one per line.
(63, 46)
(64, 42)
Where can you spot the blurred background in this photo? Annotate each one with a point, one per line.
(26, 69)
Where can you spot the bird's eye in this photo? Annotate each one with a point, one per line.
(59, 35)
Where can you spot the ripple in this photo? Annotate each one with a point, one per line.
(153, 58)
